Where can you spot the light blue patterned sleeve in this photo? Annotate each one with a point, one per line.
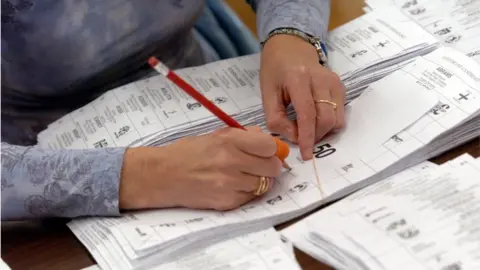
(41, 183)
(309, 16)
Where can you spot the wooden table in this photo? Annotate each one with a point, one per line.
(50, 245)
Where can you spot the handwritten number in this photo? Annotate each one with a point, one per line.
(122, 131)
(417, 11)
(408, 233)
(194, 220)
(474, 53)
(452, 39)
(101, 144)
(359, 53)
(409, 3)
(139, 232)
(396, 224)
(441, 108)
(299, 187)
(275, 200)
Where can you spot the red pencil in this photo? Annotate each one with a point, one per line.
(282, 148)
(165, 71)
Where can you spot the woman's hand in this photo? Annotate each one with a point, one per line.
(218, 171)
(290, 73)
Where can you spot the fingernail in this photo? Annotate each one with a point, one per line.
(307, 154)
(271, 183)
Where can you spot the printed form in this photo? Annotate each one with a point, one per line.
(455, 23)
(161, 232)
(262, 250)
(444, 83)
(154, 111)
(442, 93)
(374, 41)
(424, 218)
(130, 114)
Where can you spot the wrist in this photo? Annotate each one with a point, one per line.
(130, 192)
(143, 179)
(314, 42)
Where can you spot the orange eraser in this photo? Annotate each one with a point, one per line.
(282, 149)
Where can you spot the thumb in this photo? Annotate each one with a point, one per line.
(280, 124)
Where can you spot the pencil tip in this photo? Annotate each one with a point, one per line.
(286, 166)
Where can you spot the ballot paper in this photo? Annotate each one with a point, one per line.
(263, 250)
(3, 265)
(135, 237)
(422, 218)
(455, 23)
(154, 111)
(374, 45)
(429, 106)
(418, 108)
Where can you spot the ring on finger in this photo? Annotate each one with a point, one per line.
(328, 102)
(263, 186)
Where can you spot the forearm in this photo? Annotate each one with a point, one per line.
(39, 183)
(310, 16)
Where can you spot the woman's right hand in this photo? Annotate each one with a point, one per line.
(218, 171)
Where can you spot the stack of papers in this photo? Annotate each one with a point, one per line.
(374, 45)
(428, 107)
(155, 112)
(454, 23)
(422, 218)
(263, 250)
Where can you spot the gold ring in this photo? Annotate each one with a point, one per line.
(328, 102)
(263, 186)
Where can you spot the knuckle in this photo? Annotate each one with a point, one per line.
(272, 125)
(299, 70)
(267, 143)
(328, 121)
(254, 128)
(307, 113)
(273, 121)
(219, 146)
(276, 124)
(335, 78)
(219, 184)
(340, 125)
(225, 159)
(223, 136)
(302, 70)
(219, 132)
(297, 73)
(227, 203)
(234, 163)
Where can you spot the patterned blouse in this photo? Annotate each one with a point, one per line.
(60, 55)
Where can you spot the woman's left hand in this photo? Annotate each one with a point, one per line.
(290, 72)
